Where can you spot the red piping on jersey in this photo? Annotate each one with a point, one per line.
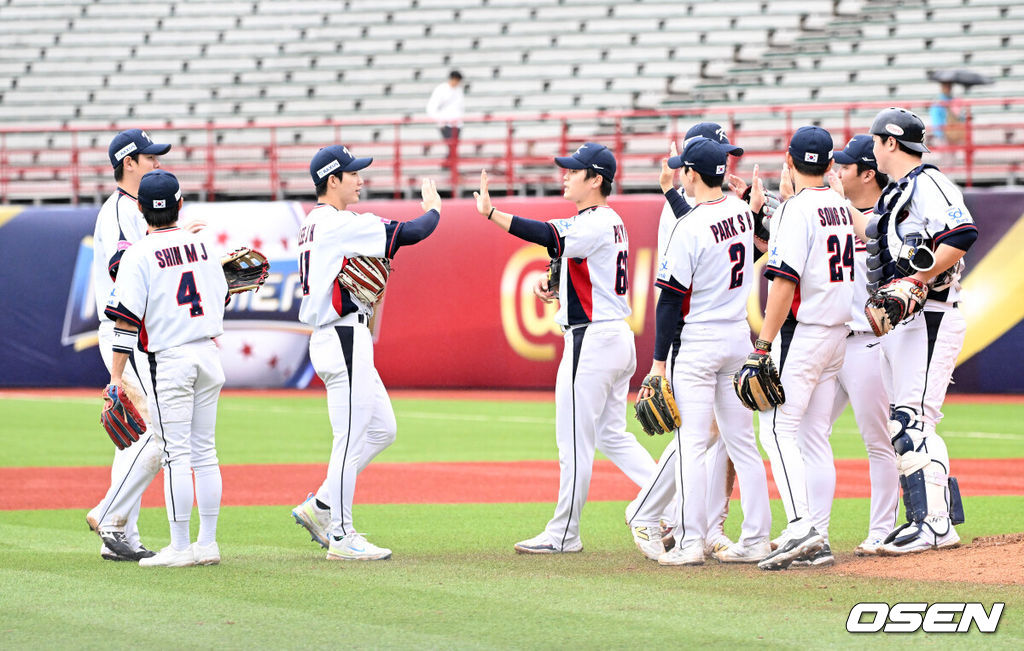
(558, 241)
(796, 301)
(124, 193)
(663, 284)
(964, 227)
(686, 304)
(711, 203)
(785, 274)
(143, 336)
(579, 272)
(336, 296)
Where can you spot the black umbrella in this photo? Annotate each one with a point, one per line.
(962, 77)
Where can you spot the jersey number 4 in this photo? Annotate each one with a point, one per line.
(188, 294)
(304, 272)
(841, 257)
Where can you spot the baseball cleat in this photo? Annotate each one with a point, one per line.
(691, 553)
(920, 537)
(355, 547)
(109, 555)
(821, 558)
(648, 539)
(116, 542)
(869, 547)
(542, 545)
(316, 521)
(720, 542)
(793, 549)
(206, 554)
(170, 557)
(739, 553)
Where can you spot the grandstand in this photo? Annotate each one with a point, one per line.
(248, 90)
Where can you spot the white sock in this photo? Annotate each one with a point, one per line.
(208, 493)
(179, 535)
(178, 496)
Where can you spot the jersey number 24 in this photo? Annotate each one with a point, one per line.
(841, 257)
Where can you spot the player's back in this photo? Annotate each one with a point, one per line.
(176, 278)
(595, 275)
(711, 254)
(812, 244)
(327, 237)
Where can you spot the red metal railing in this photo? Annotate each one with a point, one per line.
(234, 158)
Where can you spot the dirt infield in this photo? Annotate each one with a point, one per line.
(432, 483)
(991, 559)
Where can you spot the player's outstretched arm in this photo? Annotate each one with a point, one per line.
(530, 230)
(416, 230)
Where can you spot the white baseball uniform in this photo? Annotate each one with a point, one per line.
(811, 244)
(654, 502)
(862, 386)
(709, 261)
(597, 363)
(920, 353)
(341, 348)
(172, 287)
(118, 225)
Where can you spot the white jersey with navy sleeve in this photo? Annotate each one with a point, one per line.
(812, 244)
(668, 220)
(709, 260)
(327, 237)
(937, 211)
(118, 225)
(172, 287)
(595, 278)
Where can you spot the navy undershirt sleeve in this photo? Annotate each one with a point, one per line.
(678, 203)
(667, 314)
(534, 231)
(406, 233)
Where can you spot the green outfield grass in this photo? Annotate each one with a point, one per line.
(296, 430)
(454, 582)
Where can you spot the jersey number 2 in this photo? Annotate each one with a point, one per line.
(737, 253)
(841, 257)
(188, 294)
(622, 273)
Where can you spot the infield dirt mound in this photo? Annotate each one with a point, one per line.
(989, 559)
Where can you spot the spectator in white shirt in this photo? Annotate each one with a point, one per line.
(446, 107)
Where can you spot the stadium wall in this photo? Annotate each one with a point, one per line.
(459, 311)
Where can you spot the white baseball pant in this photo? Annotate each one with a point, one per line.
(862, 386)
(134, 467)
(795, 434)
(590, 403)
(708, 356)
(362, 419)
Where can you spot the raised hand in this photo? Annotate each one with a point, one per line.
(786, 189)
(737, 185)
(667, 177)
(431, 199)
(756, 192)
(483, 197)
(835, 183)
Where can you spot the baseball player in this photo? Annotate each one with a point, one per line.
(653, 504)
(341, 346)
(120, 224)
(168, 301)
(810, 265)
(922, 231)
(860, 380)
(705, 275)
(599, 355)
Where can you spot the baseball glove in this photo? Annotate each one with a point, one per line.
(120, 418)
(365, 277)
(757, 383)
(894, 302)
(245, 269)
(658, 413)
(554, 274)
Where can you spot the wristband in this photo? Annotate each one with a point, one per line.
(761, 344)
(125, 340)
(490, 214)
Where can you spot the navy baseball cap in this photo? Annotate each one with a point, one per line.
(592, 156)
(713, 131)
(159, 190)
(335, 158)
(133, 141)
(860, 149)
(811, 145)
(702, 154)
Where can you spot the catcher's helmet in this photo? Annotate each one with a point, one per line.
(901, 124)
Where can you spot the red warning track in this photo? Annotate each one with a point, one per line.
(432, 483)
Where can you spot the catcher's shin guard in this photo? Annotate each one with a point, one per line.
(956, 505)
